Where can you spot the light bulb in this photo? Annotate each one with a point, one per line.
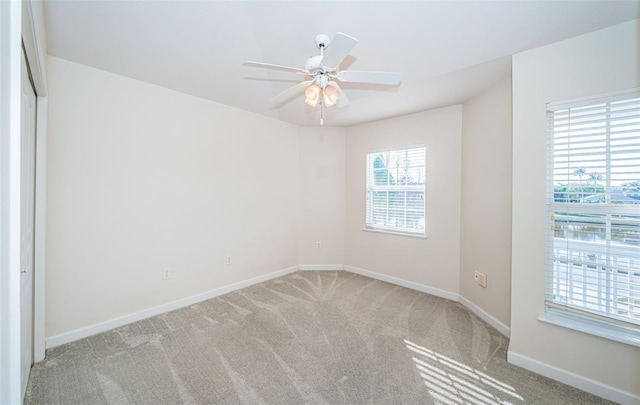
(312, 95)
(330, 96)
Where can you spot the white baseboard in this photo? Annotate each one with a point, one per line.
(323, 267)
(582, 383)
(94, 329)
(499, 326)
(403, 283)
(100, 327)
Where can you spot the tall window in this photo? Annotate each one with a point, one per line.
(593, 210)
(396, 190)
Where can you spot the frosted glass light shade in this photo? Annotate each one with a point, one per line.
(312, 94)
(330, 96)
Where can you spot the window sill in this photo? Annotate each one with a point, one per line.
(411, 235)
(585, 324)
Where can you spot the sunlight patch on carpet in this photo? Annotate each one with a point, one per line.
(452, 383)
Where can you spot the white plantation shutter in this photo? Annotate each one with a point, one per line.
(593, 209)
(396, 190)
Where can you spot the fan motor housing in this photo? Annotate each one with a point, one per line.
(313, 64)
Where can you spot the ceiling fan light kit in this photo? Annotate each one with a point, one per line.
(322, 73)
(312, 95)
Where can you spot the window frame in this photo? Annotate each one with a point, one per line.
(563, 311)
(371, 188)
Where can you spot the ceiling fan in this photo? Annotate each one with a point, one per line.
(322, 74)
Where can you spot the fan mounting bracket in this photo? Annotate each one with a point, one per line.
(322, 41)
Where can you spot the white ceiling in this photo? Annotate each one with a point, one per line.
(448, 51)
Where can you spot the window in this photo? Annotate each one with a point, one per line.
(593, 212)
(396, 190)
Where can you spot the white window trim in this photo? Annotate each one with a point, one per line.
(389, 230)
(563, 316)
(398, 233)
(605, 328)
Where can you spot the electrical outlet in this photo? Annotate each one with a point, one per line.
(318, 245)
(480, 278)
(166, 273)
(229, 261)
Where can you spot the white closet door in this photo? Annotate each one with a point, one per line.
(27, 214)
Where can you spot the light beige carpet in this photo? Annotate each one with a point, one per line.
(306, 338)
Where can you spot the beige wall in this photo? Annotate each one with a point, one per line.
(485, 208)
(142, 178)
(435, 261)
(599, 62)
(322, 175)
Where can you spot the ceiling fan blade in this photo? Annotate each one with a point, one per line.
(274, 67)
(343, 100)
(356, 76)
(289, 93)
(337, 50)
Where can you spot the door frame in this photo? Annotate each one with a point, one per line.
(20, 22)
(10, 122)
